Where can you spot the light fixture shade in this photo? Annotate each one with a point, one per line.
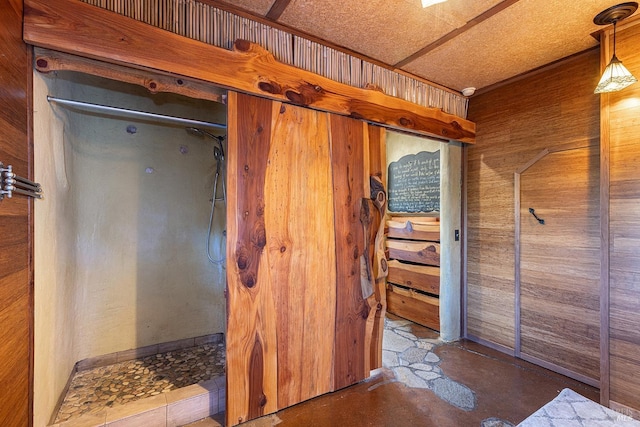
(427, 3)
(615, 77)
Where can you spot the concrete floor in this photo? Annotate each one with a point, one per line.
(505, 388)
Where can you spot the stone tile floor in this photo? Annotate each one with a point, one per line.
(415, 364)
(98, 388)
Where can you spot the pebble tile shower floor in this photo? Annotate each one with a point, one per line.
(98, 388)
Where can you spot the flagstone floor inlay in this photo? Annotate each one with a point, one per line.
(414, 363)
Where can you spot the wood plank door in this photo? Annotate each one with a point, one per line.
(16, 307)
(297, 316)
(560, 263)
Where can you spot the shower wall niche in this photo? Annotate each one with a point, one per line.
(120, 237)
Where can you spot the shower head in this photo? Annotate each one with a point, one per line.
(218, 152)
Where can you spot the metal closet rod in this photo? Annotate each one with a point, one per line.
(134, 113)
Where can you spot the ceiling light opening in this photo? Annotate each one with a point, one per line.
(427, 3)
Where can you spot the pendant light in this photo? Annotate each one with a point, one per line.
(615, 76)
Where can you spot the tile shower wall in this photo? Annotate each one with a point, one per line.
(120, 255)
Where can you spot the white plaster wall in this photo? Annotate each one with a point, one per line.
(120, 253)
(55, 343)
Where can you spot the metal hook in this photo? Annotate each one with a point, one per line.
(533, 212)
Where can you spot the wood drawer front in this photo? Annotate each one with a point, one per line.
(421, 252)
(411, 305)
(414, 230)
(420, 277)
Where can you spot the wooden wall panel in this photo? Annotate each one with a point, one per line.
(349, 190)
(514, 123)
(251, 301)
(16, 297)
(302, 252)
(560, 285)
(624, 228)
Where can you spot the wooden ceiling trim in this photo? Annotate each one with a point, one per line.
(277, 9)
(455, 33)
(155, 82)
(275, 24)
(81, 29)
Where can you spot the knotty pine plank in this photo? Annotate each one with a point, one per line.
(252, 365)
(420, 277)
(352, 310)
(47, 61)
(411, 305)
(421, 252)
(299, 219)
(408, 230)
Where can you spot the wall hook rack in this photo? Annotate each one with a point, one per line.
(11, 183)
(533, 212)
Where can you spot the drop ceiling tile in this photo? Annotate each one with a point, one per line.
(527, 35)
(260, 7)
(384, 30)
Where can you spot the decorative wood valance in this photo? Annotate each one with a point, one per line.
(78, 28)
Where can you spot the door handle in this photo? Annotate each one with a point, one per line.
(533, 212)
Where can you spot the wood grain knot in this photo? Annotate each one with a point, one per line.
(242, 45)
(262, 400)
(383, 264)
(349, 238)
(356, 115)
(242, 259)
(356, 252)
(153, 85)
(248, 280)
(406, 122)
(42, 63)
(283, 109)
(283, 249)
(180, 82)
(259, 238)
(364, 313)
(295, 97)
(427, 249)
(270, 87)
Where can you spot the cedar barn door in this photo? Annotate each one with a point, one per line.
(560, 263)
(16, 308)
(297, 317)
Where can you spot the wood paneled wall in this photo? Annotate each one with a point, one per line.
(514, 123)
(16, 298)
(624, 227)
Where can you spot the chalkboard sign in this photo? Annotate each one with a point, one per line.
(414, 183)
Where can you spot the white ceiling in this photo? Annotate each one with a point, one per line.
(474, 43)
